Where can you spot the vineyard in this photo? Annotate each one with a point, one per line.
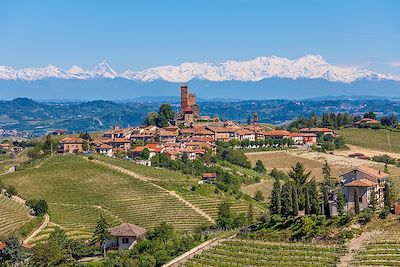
(238, 252)
(78, 190)
(12, 216)
(383, 250)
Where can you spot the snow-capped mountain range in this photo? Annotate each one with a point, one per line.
(307, 67)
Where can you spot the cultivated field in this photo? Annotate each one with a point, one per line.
(283, 160)
(383, 249)
(204, 197)
(78, 190)
(382, 140)
(238, 252)
(12, 216)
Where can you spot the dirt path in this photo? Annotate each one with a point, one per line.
(389, 144)
(148, 179)
(354, 246)
(38, 230)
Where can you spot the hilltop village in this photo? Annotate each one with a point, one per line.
(190, 133)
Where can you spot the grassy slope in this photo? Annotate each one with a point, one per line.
(382, 139)
(204, 196)
(78, 191)
(13, 216)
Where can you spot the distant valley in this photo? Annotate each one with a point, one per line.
(39, 117)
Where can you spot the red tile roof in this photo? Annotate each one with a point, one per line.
(323, 130)
(2, 245)
(361, 183)
(369, 171)
(72, 140)
(209, 175)
(277, 133)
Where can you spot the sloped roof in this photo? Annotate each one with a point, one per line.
(361, 183)
(127, 229)
(277, 133)
(315, 130)
(72, 140)
(369, 171)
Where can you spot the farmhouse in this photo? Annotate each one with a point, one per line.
(124, 236)
(209, 177)
(324, 131)
(71, 145)
(360, 181)
(366, 122)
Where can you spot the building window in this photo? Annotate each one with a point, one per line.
(125, 240)
(360, 199)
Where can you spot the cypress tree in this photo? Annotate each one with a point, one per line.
(325, 195)
(275, 205)
(313, 195)
(295, 202)
(287, 202)
(340, 201)
(356, 202)
(387, 196)
(372, 200)
(307, 207)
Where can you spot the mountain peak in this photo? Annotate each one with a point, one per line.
(104, 70)
(265, 67)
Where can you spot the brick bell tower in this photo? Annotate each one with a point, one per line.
(255, 118)
(184, 98)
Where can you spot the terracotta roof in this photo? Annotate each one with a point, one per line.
(244, 132)
(127, 229)
(118, 140)
(369, 171)
(2, 245)
(72, 140)
(105, 146)
(361, 183)
(277, 133)
(209, 175)
(221, 129)
(167, 133)
(198, 139)
(315, 130)
(367, 121)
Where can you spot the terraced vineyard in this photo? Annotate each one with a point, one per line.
(210, 205)
(239, 252)
(384, 250)
(12, 216)
(79, 190)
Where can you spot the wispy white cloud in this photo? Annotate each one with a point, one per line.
(395, 64)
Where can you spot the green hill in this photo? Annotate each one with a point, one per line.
(12, 216)
(78, 190)
(378, 139)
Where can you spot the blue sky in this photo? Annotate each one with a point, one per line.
(142, 34)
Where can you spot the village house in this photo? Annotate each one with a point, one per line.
(245, 134)
(195, 132)
(303, 138)
(124, 236)
(209, 177)
(117, 132)
(176, 153)
(324, 131)
(366, 122)
(167, 136)
(71, 145)
(223, 133)
(200, 145)
(363, 179)
(104, 149)
(277, 134)
(153, 150)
